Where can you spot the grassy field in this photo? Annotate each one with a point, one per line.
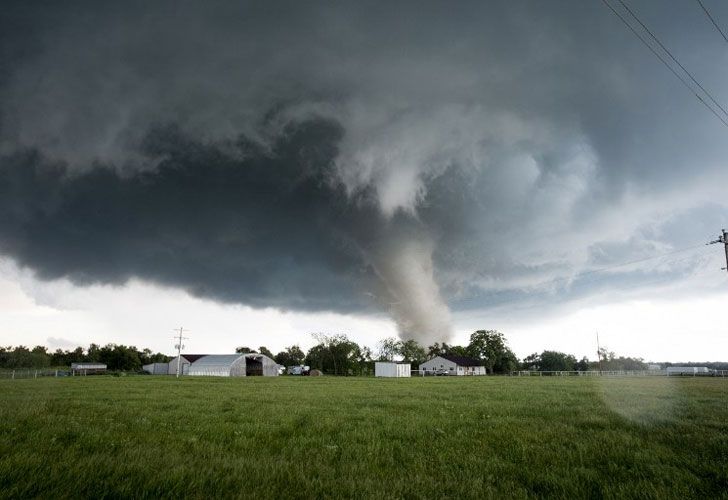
(486, 437)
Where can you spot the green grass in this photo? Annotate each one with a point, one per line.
(485, 437)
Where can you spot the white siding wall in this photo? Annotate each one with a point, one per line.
(439, 363)
(184, 366)
(389, 369)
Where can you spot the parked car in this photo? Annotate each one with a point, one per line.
(299, 370)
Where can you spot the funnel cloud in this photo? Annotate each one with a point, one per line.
(414, 159)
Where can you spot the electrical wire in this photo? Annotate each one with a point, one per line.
(667, 51)
(722, 33)
(667, 65)
(556, 282)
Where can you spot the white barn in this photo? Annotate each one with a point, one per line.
(390, 369)
(452, 365)
(234, 365)
(224, 365)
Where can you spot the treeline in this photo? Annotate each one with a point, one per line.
(116, 357)
(559, 361)
(339, 355)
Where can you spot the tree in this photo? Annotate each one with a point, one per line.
(412, 352)
(531, 362)
(244, 350)
(93, 353)
(265, 351)
(120, 357)
(388, 349)
(457, 350)
(437, 349)
(291, 356)
(506, 363)
(491, 348)
(363, 359)
(556, 361)
(612, 362)
(334, 354)
(582, 365)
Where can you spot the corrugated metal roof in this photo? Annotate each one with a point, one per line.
(214, 360)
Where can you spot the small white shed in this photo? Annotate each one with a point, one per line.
(390, 369)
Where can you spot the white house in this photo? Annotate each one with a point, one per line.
(390, 369)
(452, 365)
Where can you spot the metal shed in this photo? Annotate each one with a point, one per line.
(390, 369)
(156, 368)
(688, 370)
(184, 363)
(233, 365)
(86, 368)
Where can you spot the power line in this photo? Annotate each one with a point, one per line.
(556, 282)
(667, 65)
(622, 288)
(179, 346)
(623, 264)
(667, 51)
(629, 263)
(722, 33)
(723, 238)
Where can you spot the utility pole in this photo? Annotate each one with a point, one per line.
(723, 238)
(179, 346)
(599, 353)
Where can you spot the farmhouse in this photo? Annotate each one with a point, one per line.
(389, 369)
(452, 365)
(223, 365)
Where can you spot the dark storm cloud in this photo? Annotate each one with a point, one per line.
(239, 224)
(322, 153)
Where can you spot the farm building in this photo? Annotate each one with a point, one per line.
(688, 370)
(87, 368)
(184, 363)
(452, 365)
(220, 365)
(233, 365)
(156, 368)
(389, 369)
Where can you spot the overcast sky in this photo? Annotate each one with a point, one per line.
(256, 172)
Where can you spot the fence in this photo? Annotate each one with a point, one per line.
(33, 373)
(619, 373)
(26, 373)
